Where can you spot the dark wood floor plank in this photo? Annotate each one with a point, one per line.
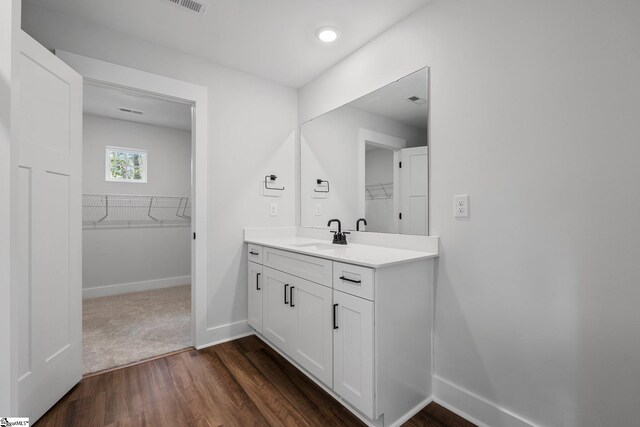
(316, 405)
(443, 417)
(222, 400)
(315, 392)
(118, 405)
(249, 344)
(422, 419)
(88, 411)
(277, 410)
(236, 384)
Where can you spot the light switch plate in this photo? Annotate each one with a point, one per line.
(461, 206)
(318, 210)
(273, 209)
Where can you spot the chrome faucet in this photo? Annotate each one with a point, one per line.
(339, 238)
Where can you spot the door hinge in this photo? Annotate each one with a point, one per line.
(194, 235)
(400, 215)
(400, 165)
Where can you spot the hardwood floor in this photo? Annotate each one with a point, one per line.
(239, 383)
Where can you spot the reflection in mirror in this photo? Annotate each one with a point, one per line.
(369, 159)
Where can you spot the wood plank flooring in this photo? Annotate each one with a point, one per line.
(239, 383)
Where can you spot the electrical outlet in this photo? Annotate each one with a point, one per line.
(461, 206)
(318, 210)
(273, 209)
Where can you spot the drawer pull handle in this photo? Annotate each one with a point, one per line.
(291, 304)
(258, 281)
(285, 295)
(254, 253)
(346, 279)
(335, 316)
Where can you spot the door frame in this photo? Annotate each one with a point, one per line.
(9, 28)
(388, 142)
(404, 178)
(106, 73)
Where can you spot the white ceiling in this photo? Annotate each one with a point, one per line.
(391, 100)
(105, 101)
(273, 39)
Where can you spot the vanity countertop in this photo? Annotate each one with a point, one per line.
(352, 253)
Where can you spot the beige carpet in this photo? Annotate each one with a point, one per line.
(122, 329)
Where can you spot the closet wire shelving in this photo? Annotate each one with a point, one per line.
(378, 191)
(128, 210)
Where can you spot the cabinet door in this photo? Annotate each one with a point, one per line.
(353, 343)
(313, 343)
(278, 316)
(255, 296)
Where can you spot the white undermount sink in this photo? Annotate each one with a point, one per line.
(315, 246)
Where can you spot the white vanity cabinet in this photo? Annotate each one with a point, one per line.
(255, 292)
(313, 342)
(363, 332)
(278, 316)
(353, 334)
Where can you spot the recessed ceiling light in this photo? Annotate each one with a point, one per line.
(327, 34)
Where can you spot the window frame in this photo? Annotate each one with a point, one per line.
(107, 164)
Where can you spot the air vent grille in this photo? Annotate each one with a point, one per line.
(192, 5)
(129, 110)
(417, 100)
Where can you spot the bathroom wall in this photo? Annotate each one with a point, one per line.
(123, 259)
(252, 124)
(329, 150)
(534, 115)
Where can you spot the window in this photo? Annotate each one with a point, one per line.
(126, 165)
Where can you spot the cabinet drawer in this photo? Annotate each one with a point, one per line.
(307, 267)
(254, 253)
(353, 279)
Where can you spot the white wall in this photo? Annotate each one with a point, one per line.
(120, 260)
(252, 124)
(329, 150)
(379, 170)
(534, 114)
(168, 157)
(9, 23)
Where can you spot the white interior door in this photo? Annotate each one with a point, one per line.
(47, 118)
(414, 187)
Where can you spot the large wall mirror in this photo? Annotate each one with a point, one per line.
(370, 159)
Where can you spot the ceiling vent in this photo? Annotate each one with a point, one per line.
(129, 110)
(192, 5)
(417, 100)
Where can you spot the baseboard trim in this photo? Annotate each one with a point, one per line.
(474, 408)
(127, 288)
(223, 333)
(412, 412)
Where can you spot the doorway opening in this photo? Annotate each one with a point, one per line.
(137, 226)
